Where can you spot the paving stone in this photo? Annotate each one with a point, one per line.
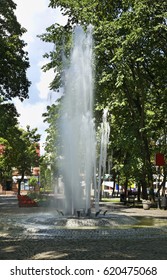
(40, 233)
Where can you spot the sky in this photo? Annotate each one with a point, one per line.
(35, 16)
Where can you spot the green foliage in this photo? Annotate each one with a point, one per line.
(8, 117)
(13, 58)
(20, 151)
(4, 156)
(49, 165)
(52, 141)
(45, 174)
(25, 155)
(33, 181)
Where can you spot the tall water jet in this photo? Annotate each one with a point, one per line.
(104, 135)
(77, 124)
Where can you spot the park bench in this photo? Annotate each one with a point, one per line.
(26, 201)
(130, 200)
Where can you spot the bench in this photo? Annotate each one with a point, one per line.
(130, 200)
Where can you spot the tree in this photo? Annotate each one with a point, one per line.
(8, 117)
(135, 77)
(18, 146)
(5, 168)
(13, 58)
(24, 156)
(8, 132)
(131, 59)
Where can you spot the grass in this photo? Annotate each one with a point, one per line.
(115, 200)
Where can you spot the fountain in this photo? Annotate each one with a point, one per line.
(78, 170)
(104, 135)
(77, 125)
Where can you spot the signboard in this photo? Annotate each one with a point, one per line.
(159, 159)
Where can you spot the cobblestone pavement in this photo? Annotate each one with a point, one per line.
(133, 233)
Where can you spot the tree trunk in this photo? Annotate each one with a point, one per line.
(126, 187)
(144, 189)
(164, 180)
(138, 191)
(19, 182)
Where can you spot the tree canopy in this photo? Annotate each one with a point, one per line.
(13, 58)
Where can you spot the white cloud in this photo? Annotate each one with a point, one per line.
(31, 114)
(36, 16)
(27, 13)
(28, 10)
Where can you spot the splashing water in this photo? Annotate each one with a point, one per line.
(105, 133)
(77, 124)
